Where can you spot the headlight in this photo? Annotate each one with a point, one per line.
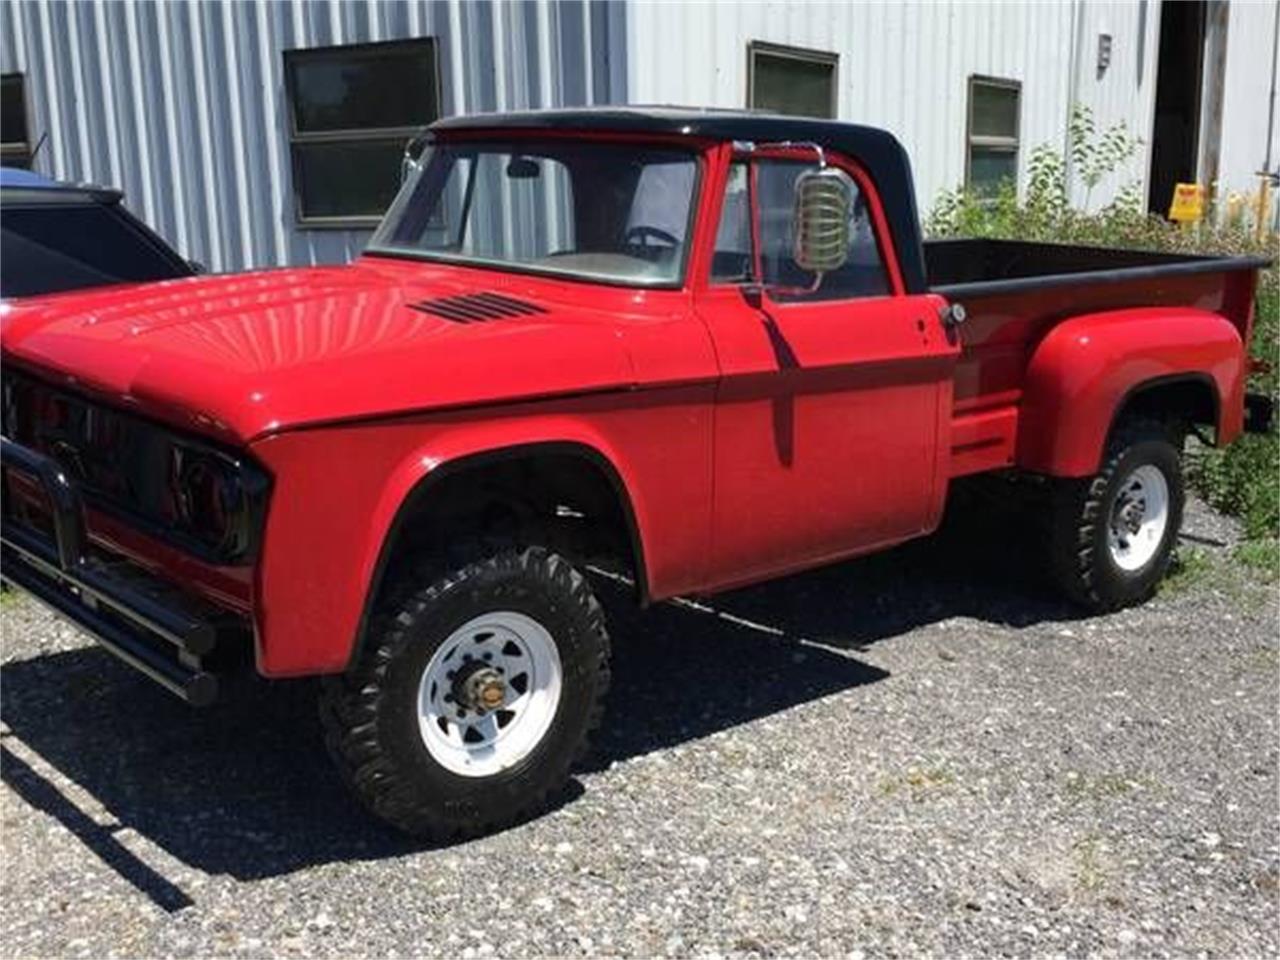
(209, 501)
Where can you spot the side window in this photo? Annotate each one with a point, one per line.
(352, 109)
(15, 146)
(731, 261)
(992, 160)
(791, 80)
(863, 274)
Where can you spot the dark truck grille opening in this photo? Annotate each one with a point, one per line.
(179, 489)
(477, 307)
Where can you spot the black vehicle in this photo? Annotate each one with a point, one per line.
(57, 236)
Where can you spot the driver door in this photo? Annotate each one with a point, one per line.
(832, 418)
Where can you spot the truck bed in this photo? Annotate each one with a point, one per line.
(1015, 291)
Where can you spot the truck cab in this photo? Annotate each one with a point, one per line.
(694, 348)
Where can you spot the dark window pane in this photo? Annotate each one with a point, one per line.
(989, 167)
(790, 85)
(348, 179)
(863, 273)
(13, 109)
(50, 248)
(384, 85)
(995, 111)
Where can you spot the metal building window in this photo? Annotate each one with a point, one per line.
(353, 109)
(791, 80)
(15, 138)
(992, 155)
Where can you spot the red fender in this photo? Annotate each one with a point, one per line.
(1082, 373)
(338, 492)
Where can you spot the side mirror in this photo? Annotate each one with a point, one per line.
(820, 220)
(410, 159)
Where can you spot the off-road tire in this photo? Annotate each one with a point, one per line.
(1079, 559)
(370, 713)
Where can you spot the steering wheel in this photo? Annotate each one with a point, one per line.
(638, 236)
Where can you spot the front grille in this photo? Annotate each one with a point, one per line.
(477, 307)
(139, 471)
(112, 455)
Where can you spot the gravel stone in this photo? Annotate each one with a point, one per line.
(922, 751)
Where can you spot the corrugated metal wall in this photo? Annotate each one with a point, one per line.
(906, 66)
(1246, 102)
(183, 106)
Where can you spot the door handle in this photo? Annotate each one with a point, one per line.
(953, 314)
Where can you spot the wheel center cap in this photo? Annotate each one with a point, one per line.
(1131, 515)
(483, 689)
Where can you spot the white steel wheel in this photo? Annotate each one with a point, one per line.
(489, 693)
(1139, 518)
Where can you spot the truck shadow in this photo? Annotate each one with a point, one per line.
(244, 788)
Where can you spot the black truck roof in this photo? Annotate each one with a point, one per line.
(878, 151)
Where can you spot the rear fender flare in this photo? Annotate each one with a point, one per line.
(1081, 375)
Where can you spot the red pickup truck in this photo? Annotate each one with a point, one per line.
(699, 348)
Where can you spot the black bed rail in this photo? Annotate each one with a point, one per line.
(983, 267)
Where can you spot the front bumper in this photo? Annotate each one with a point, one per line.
(158, 630)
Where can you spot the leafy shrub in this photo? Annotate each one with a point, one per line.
(1243, 479)
(1262, 555)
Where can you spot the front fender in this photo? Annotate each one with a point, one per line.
(465, 444)
(338, 492)
(1080, 375)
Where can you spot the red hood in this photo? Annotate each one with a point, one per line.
(241, 355)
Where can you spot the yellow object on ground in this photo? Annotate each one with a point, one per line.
(1188, 203)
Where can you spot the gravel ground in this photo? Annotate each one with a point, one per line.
(918, 752)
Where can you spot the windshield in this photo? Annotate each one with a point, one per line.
(53, 247)
(612, 212)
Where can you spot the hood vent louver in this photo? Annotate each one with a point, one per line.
(477, 307)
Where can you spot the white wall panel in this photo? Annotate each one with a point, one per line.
(1246, 97)
(906, 66)
(1125, 93)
